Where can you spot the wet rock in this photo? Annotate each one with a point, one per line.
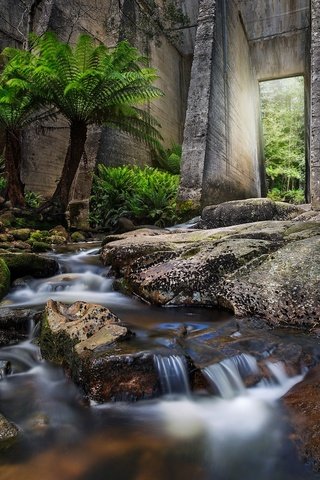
(4, 278)
(22, 264)
(5, 368)
(246, 211)
(85, 338)
(302, 403)
(269, 269)
(249, 336)
(15, 325)
(8, 433)
(284, 289)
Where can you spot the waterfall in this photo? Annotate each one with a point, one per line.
(226, 376)
(173, 374)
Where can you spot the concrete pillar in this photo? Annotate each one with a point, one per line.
(196, 126)
(315, 105)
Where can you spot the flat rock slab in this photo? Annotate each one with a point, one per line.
(270, 269)
(90, 342)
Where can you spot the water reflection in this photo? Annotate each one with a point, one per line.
(175, 437)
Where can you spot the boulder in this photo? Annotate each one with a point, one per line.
(22, 264)
(8, 433)
(302, 402)
(21, 234)
(246, 211)
(284, 289)
(269, 269)
(4, 278)
(15, 324)
(85, 339)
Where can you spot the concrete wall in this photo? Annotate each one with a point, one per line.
(222, 150)
(238, 44)
(44, 151)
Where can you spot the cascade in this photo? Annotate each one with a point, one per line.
(226, 376)
(173, 374)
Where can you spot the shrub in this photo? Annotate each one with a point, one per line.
(145, 195)
(291, 196)
(170, 159)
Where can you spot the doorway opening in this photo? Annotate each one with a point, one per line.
(283, 122)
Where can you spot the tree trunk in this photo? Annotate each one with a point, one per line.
(78, 137)
(15, 187)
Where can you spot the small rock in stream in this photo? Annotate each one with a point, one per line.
(8, 433)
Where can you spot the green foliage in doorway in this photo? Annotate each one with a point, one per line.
(283, 125)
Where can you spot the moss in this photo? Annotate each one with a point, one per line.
(57, 239)
(57, 348)
(39, 236)
(4, 278)
(39, 247)
(22, 264)
(21, 233)
(78, 237)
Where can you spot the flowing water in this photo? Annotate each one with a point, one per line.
(239, 434)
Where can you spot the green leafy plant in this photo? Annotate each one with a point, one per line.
(170, 159)
(32, 199)
(88, 84)
(145, 195)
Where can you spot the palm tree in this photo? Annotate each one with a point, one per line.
(90, 84)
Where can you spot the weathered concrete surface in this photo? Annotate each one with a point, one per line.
(222, 154)
(270, 269)
(221, 150)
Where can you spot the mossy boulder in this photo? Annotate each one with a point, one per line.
(4, 278)
(22, 264)
(56, 239)
(21, 233)
(92, 344)
(40, 247)
(78, 237)
(59, 231)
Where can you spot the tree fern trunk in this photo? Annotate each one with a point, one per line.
(15, 187)
(78, 137)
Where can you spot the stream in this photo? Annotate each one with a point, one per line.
(240, 434)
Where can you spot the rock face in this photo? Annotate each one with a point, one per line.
(303, 405)
(245, 211)
(269, 269)
(85, 339)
